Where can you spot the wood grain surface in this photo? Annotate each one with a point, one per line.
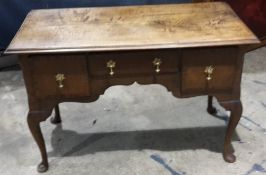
(130, 27)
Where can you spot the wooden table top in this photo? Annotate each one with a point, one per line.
(130, 27)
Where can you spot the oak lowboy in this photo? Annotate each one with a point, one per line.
(76, 54)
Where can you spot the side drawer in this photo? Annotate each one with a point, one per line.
(72, 69)
(194, 76)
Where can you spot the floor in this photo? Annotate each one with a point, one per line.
(137, 130)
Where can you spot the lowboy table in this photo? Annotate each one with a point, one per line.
(75, 54)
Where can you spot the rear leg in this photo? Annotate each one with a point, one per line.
(56, 119)
(211, 110)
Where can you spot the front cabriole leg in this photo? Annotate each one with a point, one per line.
(235, 107)
(34, 119)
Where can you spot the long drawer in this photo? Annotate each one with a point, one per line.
(134, 62)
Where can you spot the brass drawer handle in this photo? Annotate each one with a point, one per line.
(209, 71)
(59, 78)
(157, 62)
(111, 65)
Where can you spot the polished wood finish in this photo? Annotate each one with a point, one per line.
(127, 62)
(34, 119)
(211, 109)
(57, 117)
(235, 107)
(194, 80)
(253, 13)
(184, 38)
(132, 27)
(256, 46)
(75, 73)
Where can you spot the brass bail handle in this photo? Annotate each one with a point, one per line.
(59, 78)
(111, 65)
(209, 72)
(157, 63)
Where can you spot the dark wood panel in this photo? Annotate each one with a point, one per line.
(138, 62)
(194, 61)
(170, 81)
(74, 67)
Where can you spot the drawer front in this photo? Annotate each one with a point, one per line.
(60, 75)
(196, 79)
(134, 62)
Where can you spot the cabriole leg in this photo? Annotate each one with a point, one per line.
(235, 107)
(34, 120)
(57, 118)
(211, 110)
